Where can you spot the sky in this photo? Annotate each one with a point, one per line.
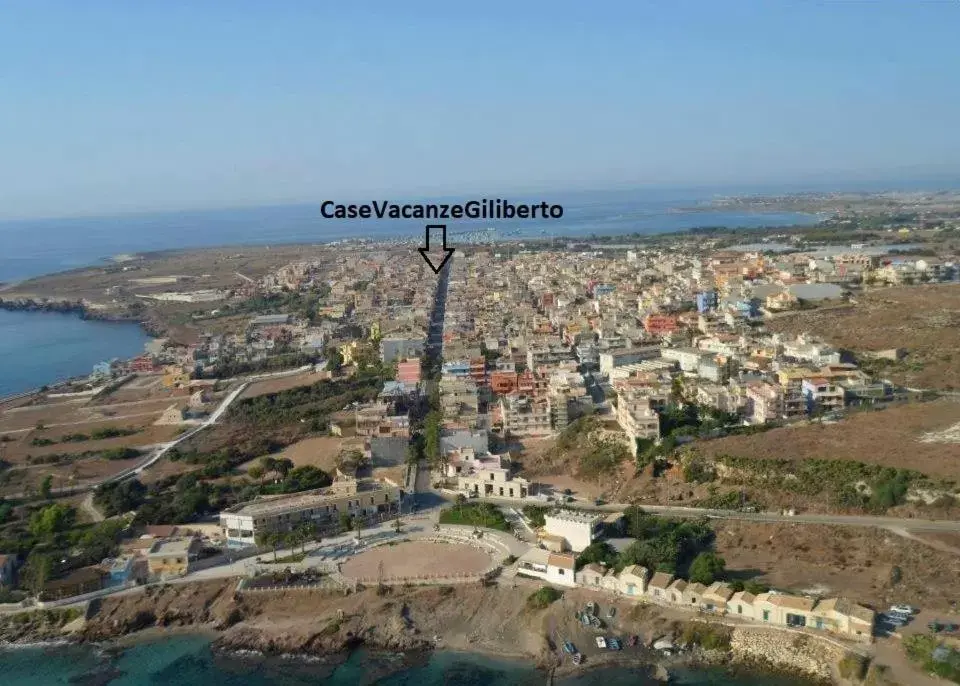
(110, 107)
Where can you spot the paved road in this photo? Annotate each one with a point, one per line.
(832, 519)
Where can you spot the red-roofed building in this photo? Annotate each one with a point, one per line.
(409, 371)
(659, 324)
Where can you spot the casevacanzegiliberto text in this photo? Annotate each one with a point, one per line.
(486, 208)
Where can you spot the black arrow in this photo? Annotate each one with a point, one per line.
(425, 251)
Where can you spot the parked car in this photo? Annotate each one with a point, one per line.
(903, 609)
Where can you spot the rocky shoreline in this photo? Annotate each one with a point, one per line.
(328, 626)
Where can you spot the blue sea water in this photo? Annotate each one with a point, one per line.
(187, 660)
(37, 348)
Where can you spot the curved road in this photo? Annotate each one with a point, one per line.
(152, 458)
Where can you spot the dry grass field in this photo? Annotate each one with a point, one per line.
(283, 383)
(857, 563)
(889, 437)
(923, 320)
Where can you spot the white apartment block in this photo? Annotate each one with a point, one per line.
(242, 524)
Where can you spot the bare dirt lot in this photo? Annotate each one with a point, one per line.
(890, 437)
(417, 558)
(858, 563)
(923, 320)
(283, 383)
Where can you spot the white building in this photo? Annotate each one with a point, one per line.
(554, 568)
(577, 529)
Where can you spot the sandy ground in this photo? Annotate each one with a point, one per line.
(417, 558)
(319, 451)
(890, 437)
(857, 563)
(281, 384)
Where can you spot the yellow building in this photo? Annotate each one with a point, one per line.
(172, 557)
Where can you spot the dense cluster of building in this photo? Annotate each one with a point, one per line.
(834, 615)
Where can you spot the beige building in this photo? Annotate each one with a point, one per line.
(171, 557)
(356, 497)
(493, 482)
(637, 418)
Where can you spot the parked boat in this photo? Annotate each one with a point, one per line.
(577, 659)
(601, 642)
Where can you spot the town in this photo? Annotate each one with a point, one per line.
(551, 409)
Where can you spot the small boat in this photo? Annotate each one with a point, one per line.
(568, 647)
(632, 641)
(601, 642)
(614, 644)
(592, 608)
(577, 659)
(611, 612)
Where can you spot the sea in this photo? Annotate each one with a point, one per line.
(187, 660)
(38, 348)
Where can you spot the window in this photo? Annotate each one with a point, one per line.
(766, 615)
(561, 572)
(739, 609)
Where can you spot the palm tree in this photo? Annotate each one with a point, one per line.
(305, 532)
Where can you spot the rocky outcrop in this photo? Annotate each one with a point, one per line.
(786, 650)
(208, 604)
(38, 626)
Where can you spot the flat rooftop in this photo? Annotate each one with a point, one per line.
(304, 501)
(173, 546)
(577, 516)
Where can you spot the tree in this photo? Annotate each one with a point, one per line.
(269, 464)
(282, 466)
(706, 568)
(334, 360)
(271, 539)
(346, 522)
(36, 571)
(257, 472)
(601, 552)
(304, 533)
(120, 496)
(51, 520)
(431, 435)
(46, 486)
(397, 525)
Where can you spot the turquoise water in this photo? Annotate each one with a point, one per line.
(38, 348)
(188, 661)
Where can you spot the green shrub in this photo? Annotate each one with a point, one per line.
(707, 636)
(542, 598)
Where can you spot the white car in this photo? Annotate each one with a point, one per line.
(903, 609)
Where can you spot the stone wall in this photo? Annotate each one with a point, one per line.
(786, 650)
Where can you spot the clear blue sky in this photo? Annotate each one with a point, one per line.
(126, 106)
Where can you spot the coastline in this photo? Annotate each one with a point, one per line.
(328, 627)
(82, 341)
